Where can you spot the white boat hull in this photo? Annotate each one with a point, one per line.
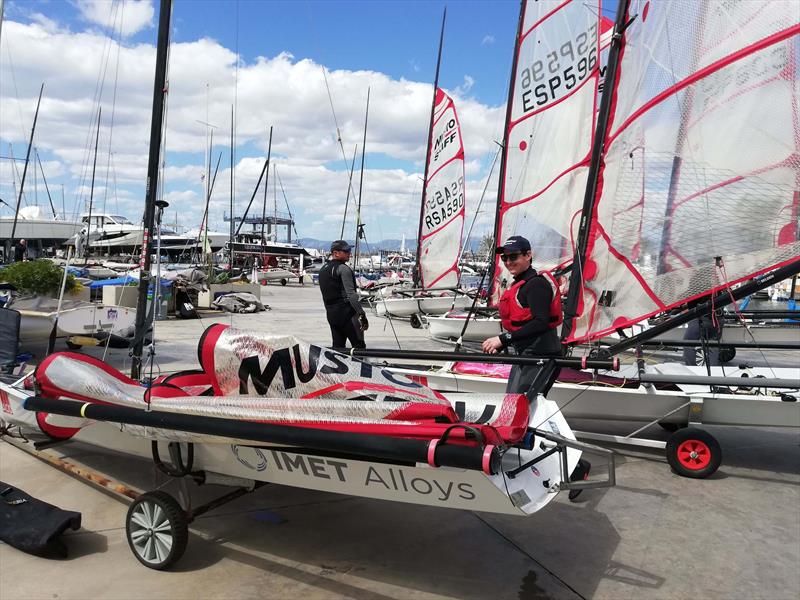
(603, 402)
(405, 307)
(478, 329)
(85, 320)
(38, 229)
(419, 483)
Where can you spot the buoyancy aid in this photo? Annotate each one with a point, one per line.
(513, 315)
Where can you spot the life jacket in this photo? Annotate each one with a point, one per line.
(513, 315)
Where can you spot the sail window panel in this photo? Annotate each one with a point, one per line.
(613, 278)
(697, 166)
(727, 26)
(750, 104)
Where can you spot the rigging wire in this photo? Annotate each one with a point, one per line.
(286, 200)
(113, 109)
(341, 147)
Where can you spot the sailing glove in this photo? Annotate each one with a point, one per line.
(362, 320)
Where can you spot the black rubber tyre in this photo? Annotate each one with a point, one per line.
(415, 321)
(693, 453)
(157, 530)
(284, 281)
(671, 427)
(727, 354)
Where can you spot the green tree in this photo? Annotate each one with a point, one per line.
(37, 277)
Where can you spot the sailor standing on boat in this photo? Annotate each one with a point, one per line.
(337, 282)
(530, 312)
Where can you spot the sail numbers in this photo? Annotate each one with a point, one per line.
(560, 70)
(443, 204)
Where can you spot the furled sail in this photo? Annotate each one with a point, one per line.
(698, 187)
(442, 215)
(550, 124)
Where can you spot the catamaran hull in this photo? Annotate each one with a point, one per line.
(405, 307)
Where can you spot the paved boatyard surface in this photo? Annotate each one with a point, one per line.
(654, 535)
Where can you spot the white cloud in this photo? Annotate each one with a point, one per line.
(280, 91)
(133, 15)
(487, 40)
(465, 87)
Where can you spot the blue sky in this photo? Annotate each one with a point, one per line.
(283, 47)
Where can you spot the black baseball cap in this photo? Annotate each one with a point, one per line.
(340, 245)
(516, 243)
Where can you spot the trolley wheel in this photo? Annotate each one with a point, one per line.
(415, 321)
(73, 345)
(157, 530)
(284, 281)
(727, 354)
(694, 453)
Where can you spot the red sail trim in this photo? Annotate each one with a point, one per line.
(448, 104)
(594, 76)
(583, 163)
(702, 74)
(452, 269)
(459, 156)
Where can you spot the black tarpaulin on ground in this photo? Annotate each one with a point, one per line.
(32, 525)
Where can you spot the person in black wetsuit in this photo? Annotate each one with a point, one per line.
(530, 312)
(337, 282)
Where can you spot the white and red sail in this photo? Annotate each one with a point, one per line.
(550, 125)
(443, 208)
(698, 187)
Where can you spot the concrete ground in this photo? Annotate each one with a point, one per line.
(654, 535)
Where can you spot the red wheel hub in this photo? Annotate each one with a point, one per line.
(694, 455)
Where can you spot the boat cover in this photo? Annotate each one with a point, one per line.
(281, 380)
(32, 525)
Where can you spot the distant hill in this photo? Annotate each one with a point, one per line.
(390, 244)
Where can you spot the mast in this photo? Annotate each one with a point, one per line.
(230, 237)
(359, 226)
(159, 95)
(418, 270)
(46, 187)
(91, 190)
(25, 168)
(576, 275)
(266, 185)
(255, 191)
(349, 187)
(500, 186)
